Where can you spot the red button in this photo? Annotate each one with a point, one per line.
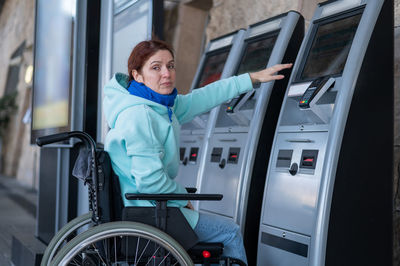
(206, 254)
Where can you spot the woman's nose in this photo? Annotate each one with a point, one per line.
(165, 72)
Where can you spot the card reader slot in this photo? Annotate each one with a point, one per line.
(309, 159)
(233, 156)
(236, 103)
(193, 155)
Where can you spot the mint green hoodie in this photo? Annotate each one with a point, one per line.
(144, 145)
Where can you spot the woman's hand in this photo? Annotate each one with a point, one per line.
(189, 206)
(269, 74)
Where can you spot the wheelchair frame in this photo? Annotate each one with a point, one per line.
(93, 238)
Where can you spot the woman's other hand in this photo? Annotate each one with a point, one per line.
(189, 206)
(269, 74)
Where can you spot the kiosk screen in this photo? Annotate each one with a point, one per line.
(256, 55)
(330, 48)
(213, 68)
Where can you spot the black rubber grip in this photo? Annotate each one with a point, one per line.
(52, 138)
(191, 189)
(162, 197)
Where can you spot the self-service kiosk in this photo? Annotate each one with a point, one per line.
(328, 193)
(242, 134)
(218, 61)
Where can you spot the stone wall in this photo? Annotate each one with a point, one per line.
(17, 33)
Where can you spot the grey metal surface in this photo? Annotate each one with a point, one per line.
(301, 203)
(291, 200)
(246, 135)
(271, 253)
(188, 169)
(338, 123)
(193, 134)
(223, 180)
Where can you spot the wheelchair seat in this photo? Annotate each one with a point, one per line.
(110, 202)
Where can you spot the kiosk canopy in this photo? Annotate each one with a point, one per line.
(330, 47)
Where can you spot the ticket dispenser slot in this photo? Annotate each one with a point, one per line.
(193, 155)
(284, 158)
(233, 156)
(315, 91)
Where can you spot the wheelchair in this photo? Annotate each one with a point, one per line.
(111, 234)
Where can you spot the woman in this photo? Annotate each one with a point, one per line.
(144, 113)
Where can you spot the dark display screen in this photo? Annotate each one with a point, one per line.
(52, 78)
(213, 67)
(330, 48)
(256, 55)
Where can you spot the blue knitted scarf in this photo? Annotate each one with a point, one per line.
(141, 90)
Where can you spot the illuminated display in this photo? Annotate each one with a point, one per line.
(330, 48)
(256, 55)
(213, 68)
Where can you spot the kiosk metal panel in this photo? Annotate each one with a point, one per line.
(216, 63)
(244, 128)
(322, 181)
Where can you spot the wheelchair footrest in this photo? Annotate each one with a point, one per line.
(209, 251)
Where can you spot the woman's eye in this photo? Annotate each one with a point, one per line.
(171, 67)
(156, 67)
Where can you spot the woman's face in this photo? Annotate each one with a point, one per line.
(158, 72)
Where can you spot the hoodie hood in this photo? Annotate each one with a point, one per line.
(117, 98)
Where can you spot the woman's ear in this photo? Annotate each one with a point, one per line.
(137, 76)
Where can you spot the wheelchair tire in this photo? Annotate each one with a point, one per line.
(99, 244)
(66, 233)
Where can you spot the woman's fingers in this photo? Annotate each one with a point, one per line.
(279, 67)
(269, 74)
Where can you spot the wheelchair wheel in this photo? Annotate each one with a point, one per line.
(123, 243)
(65, 234)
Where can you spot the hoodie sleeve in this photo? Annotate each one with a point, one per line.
(145, 150)
(204, 99)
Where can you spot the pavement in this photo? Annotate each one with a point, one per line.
(17, 214)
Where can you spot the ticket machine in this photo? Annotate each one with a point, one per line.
(242, 135)
(218, 61)
(328, 193)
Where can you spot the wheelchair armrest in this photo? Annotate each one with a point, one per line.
(191, 189)
(165, 197)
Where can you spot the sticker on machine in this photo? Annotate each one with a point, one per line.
(298, 89)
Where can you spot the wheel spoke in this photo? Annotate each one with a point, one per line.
(137, 249)
(148, 241)
(153, 247)
(164, 258)
(115, 250)
(153, 256)
(97, 251)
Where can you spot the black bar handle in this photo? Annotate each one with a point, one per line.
(86, 138)
(173, 196)
(52, 138)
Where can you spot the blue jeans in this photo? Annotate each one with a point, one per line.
(214, 228)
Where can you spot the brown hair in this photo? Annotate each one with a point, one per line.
(143, 51)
